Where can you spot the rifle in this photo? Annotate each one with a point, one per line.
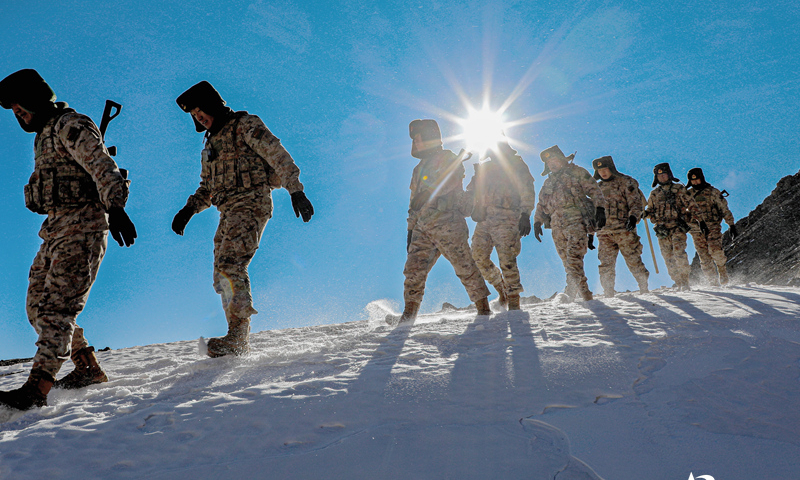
(107, 117)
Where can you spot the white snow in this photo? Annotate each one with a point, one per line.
(665, 385)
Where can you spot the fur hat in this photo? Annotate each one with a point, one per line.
(431, 135)
(603, 162)
(553, 153)
(205, 97)
(663, 168)
(26, 88)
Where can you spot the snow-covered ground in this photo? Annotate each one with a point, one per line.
(657, 386)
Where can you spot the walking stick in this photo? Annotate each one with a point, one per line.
(650, 241)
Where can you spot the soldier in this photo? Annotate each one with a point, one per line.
(572, 204)
(241, 164)
(79, 187)
(714, 208)
(670, 208)
(504, 199)
(625, 207)
(436, 224)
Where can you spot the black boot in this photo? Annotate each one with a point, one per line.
(87, 371)
(33, 393)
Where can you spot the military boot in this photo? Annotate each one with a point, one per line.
(235, 342)
(502, 297)
(483, 306)
(33, 393)
(513, 301)
(409, 314)
(723, 275)
(642, 281)
(87, 371)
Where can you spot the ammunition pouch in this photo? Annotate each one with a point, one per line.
(67, 186)
(683, 226)
(661, 231)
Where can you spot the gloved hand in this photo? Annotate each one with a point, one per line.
(181, 219)
(302, 206)
(408, 241)
(121, 227)
(600, 217)
(525, 225)
(591, 242)
(630, 225)
(537, 231)
(703, 227)
(734, 233)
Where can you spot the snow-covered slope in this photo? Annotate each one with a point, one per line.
(656, 386)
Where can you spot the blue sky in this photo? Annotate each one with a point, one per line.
(706, 84)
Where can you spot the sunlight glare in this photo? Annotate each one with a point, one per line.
(482, 130)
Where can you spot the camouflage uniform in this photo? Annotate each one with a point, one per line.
(241, 164)
(624, 200)
(504, 192)
(74, 182)
(567, 203)
(436, 222)
(670, 207)
(714, 209)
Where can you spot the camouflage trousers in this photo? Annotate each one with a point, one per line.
(235, 244)
(610, 244)
(712, 256)
(571, 243)
(59, 282)
(673, 249)
(428, 242)
(502, 234)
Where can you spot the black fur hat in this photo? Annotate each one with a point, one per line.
(603, 162)
(696, 174)
(205, 97)
(663, 168)
(26, 88)
(553, 152)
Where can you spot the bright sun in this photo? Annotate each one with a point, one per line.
(482, 130)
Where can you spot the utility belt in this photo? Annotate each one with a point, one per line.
(59, 188)
(662, 231)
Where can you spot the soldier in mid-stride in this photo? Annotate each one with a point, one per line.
(625, 207)
(79, 187)
(714, 207)
(671, 209)
(504, 199)
(571, 203)
(241, 164)
(436, 224)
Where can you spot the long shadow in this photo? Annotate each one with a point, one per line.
(616, 326)
(756, 305)
(690, 309)
(793, 297)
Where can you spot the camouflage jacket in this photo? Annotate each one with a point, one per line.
(502, 189)
(437, 191)
(712, 204)
(670, 206)
(75, 181)
(624, 199)
(243, 156)
(568, 197)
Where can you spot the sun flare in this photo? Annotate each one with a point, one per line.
(482, 130)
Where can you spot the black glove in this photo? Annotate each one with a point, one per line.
(181, 219)
(302, 206)
(734, 233)
(703, 227)
(408, 240)
(630, 225)
(600, 217)
(591, 242)
(525, 225)
(121, 227)
(537, 231)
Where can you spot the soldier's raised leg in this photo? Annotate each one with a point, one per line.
(482, 246)
(452, 243)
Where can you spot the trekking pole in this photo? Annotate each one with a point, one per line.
(650, 241)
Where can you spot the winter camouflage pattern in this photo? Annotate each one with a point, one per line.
(571, 244)
(74, 238)
(624, 199)
(241, 164)
(503, 192)
(613, 242)
(714, 208)
(670, 208)
(436, 218)
(567, 202)
(242, 156)
(569, 196)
